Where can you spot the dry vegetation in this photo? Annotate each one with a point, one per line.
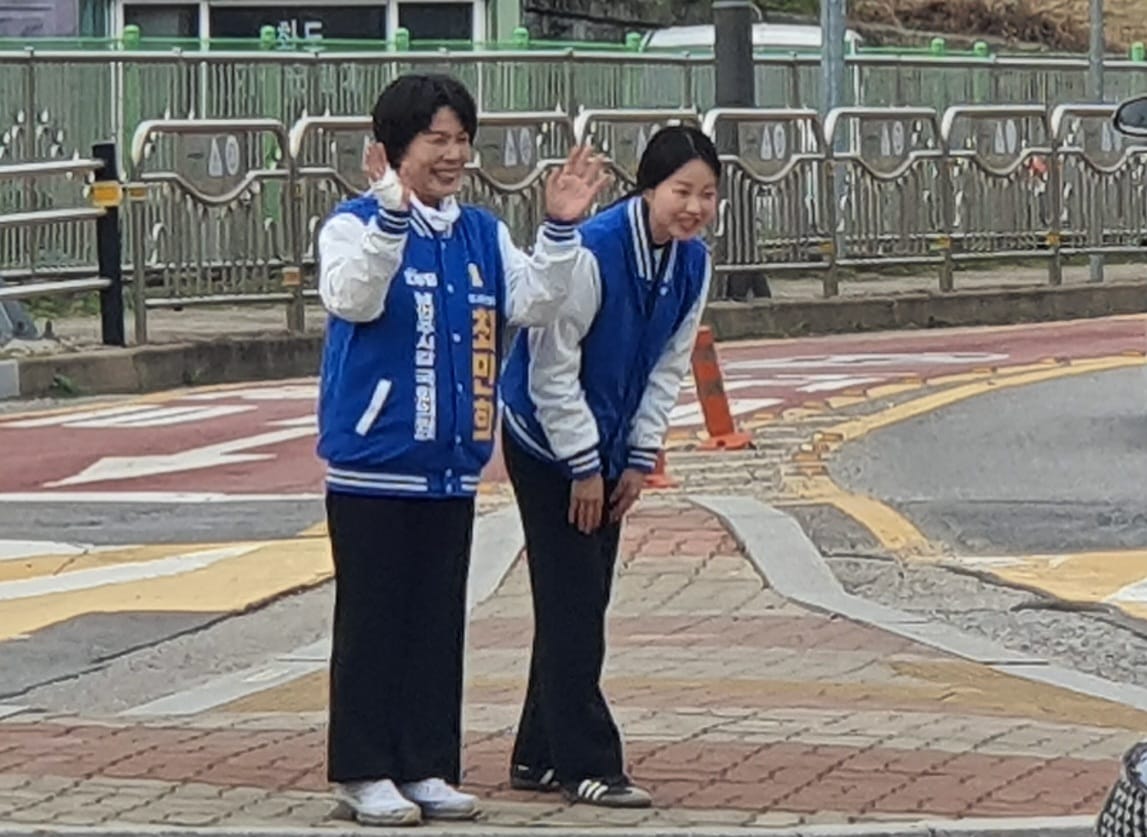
(1059, 25)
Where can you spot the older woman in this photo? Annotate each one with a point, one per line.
(419, 289)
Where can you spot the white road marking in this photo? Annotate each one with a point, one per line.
(301, 421)
(130, 417)
(797, 383)
(906, 359)
(208, 456)
(287, 392)
(164, 497)
(16, 550)
(119, 574)
(164, 417)
(690, 415)
(1132, 593)
(62, 418)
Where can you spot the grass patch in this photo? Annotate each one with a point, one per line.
(64, 305)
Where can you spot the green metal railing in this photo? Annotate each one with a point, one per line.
(59, 96)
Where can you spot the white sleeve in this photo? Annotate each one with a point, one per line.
(536, 285)
(357, 262)
(647, 432)
(555, 375)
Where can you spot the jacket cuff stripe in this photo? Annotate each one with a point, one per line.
(559, 232)
(584, 464)
(643, 459)
(393, 222)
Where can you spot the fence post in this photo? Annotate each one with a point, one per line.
(107, 193)
(1055, 213)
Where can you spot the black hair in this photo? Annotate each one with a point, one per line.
(668, 150)
(407, 107)
(671, 148)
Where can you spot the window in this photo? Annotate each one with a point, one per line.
(163, 21)
(313, 22)
(437, 21)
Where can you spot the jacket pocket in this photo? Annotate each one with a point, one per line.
(373, 408)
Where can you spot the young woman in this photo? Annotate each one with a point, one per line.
(586, 405)
(418, 288)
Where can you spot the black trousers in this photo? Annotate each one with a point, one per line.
(566, 724)
(399, 634)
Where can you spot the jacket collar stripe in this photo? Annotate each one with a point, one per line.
(643, 250)
(640, 238)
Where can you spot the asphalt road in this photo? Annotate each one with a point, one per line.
(1050, 467)
(1056, 467)
(108, 523)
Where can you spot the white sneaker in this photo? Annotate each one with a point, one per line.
(378, 803)
(440, 801)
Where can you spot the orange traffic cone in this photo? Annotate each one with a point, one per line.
(722, 432)
(659, 478)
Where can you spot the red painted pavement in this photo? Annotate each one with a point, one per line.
(759, 376)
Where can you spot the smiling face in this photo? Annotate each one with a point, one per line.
(435, 160)
(683, 204)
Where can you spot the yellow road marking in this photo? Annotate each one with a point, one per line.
(955, 686)
(861, 426)
(37, 566)
(1088, 577)
(233, 585)
(758, 420)
(894, 336)
(839, 402)
(892, 530)
(319, 530)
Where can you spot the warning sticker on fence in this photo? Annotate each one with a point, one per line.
(884, 143)
(765, 147)
(213, 163)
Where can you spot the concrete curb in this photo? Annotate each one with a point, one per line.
(9, 379)
(794, 568)
(1003, 306)
(1028, 827)
(154, 368)
(270, 357)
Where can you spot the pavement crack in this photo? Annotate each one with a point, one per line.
(99, 663)
(1044, 601)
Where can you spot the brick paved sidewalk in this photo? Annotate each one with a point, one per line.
(738, 708)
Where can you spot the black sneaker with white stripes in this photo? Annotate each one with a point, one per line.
(538, 779)
(615, 793)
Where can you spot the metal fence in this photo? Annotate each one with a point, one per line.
(227, 211)
(41, 216)
(868, 186)
(57, 102)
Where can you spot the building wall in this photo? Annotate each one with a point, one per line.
(38, 18)
(460, 20)
(562, 20)
(607, 20)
